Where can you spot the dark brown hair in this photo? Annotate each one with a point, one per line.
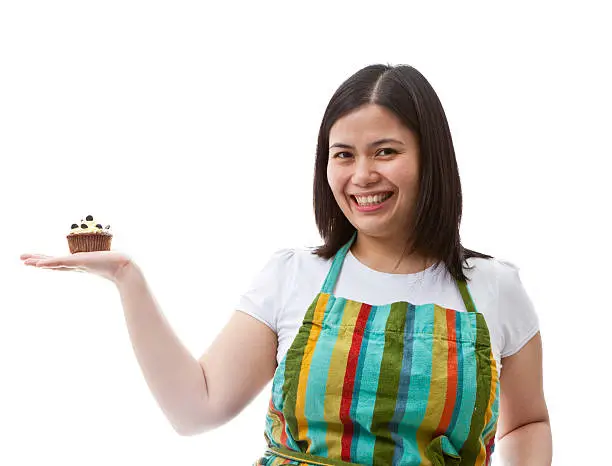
(406, 92)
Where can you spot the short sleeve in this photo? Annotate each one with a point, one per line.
(265, 297)
(517, 316)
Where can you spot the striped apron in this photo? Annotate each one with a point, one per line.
(394, 384)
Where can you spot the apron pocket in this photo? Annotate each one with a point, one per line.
(441, 452)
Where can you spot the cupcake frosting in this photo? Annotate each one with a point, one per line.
(89, 225)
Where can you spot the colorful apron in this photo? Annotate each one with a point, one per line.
(395, 384)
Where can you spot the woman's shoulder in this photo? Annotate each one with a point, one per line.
(302, 254)
(493, 268)
(494, 280)
(288, 262)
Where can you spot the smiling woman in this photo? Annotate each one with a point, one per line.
(380, 371)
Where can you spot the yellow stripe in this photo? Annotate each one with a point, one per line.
(300, 402)
(437, 386)
(277, 425)
(482, 456)
(335, 380)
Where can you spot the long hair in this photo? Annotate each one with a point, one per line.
(437, 215)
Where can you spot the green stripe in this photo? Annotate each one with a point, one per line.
(471, 447)
(293, 364)
(467, 297)
(386, 394)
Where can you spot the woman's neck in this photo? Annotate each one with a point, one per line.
(383, 255)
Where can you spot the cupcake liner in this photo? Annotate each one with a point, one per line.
(89, 242)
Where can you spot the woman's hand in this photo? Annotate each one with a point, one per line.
(106, 264)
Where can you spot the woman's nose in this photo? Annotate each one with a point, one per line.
(364, 172)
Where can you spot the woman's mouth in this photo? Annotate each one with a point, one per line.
(370, 203)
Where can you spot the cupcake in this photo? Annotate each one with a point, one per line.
(89, 236)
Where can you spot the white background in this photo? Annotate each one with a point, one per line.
(191, 128)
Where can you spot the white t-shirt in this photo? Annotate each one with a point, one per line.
(280, 294)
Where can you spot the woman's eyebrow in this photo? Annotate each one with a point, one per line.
(372, 144)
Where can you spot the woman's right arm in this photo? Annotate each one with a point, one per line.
(195, 395)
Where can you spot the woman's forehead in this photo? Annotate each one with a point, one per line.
(367, 124)
(371, 137)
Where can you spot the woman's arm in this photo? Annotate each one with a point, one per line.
(195, 396)
(523, 431)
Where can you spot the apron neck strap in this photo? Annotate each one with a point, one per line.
(334, 271)
(466, 295)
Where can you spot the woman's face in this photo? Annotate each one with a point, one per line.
(360, 163)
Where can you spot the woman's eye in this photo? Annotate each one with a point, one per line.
(392, 151)
(338, 155)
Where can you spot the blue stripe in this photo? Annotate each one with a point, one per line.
(459, 319)
(420, 382)
(317, 378)
(458, 435)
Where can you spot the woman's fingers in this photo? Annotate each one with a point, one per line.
(31, 261)
(33, 256)
(58, 262)
(62, 268)
(34, 263)
(40, 260)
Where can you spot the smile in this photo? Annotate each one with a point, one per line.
(370, 203)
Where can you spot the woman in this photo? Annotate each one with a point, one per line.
(379, 350)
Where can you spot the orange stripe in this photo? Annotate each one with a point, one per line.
(278, 423)
(451, 388)
(300, 402)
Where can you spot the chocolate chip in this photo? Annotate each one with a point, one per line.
(89, 218)
(74, 225)
(83, 225)
(99, 226)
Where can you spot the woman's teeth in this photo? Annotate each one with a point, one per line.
(372, 200)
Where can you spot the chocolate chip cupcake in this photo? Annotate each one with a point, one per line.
(89, 236)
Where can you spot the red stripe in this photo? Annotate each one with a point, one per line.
(490, 450)
(349, 381)
(283, 439)
(451, 382)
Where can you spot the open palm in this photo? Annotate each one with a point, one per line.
(106, 264)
